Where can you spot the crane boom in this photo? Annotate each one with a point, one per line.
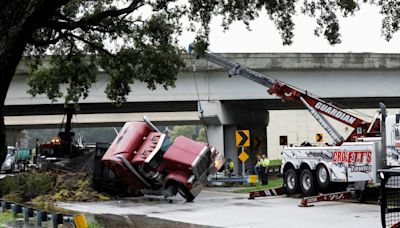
(315, 105)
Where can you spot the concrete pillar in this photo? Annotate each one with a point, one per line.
(230, 146)
(223, 120)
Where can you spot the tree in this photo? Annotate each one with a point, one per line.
(185, 130)
(77, 34)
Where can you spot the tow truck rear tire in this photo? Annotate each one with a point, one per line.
(323, 178)
(291, 181)
(307, 182)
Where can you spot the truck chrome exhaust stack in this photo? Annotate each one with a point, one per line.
(150, 124)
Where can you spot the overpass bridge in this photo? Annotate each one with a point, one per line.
(357, 80)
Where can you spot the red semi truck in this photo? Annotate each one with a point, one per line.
(148, 161)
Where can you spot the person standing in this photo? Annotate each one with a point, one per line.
(264, 163)
(258, 167)
(230, 166)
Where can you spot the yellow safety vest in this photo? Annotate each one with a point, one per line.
(231, 165)
(264, 162)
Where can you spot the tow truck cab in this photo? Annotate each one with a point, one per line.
(145, 159)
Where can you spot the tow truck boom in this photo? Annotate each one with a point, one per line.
(315, 105)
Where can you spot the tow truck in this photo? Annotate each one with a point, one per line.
(326, 169)
(146, 160)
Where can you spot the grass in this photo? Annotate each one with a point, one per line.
(272, 183)
(275, 162)
(5, 217)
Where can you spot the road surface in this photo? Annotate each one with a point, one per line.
(222, 209)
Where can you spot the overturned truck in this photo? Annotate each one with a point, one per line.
(148, 161)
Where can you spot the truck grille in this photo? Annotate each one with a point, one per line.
(200, 169)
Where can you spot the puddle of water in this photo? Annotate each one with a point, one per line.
(139, 221)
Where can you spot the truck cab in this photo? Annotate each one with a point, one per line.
(147, 160)
(9, 163)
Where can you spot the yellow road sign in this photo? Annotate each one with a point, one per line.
(256, 142)
(80, 221)
(243, 138)
(252, 179)
(319, 137)
(243, 156)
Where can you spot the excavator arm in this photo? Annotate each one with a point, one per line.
(315, 105)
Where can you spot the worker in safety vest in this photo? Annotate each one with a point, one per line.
(231, 166)
(263, 169)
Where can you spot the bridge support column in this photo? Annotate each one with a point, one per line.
(222, 121)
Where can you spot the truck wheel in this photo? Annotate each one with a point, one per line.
(291, 182)
(184, 192)
(323, 178)
(307, 182)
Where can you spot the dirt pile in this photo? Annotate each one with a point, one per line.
(72, 187)
(50, 186)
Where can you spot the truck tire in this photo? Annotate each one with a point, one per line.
(307, 182)
(291, 181)
(323, 177)
(184, 192)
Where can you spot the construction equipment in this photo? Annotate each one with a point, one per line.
(146, 160)
(326, 169)
(62, 146)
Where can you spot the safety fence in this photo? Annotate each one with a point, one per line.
(52, 219)
(390, 198)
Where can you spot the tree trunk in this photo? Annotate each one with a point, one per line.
(18, 20)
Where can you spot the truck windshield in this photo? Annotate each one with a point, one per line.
(157, 159)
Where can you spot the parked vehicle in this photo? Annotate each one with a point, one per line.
(148, 161)
(9, 163)
(16, 159)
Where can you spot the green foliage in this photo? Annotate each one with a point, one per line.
(195, 132)
(184, 130)
(26, 185)
(202, 135)
(275, 162)
(5, 217)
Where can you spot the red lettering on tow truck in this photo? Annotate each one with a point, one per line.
(352, 157)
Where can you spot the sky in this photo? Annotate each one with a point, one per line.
(360, 33)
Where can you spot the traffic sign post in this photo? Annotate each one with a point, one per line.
(243, 140)
(243, 156)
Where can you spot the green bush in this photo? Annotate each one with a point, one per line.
(27, 185)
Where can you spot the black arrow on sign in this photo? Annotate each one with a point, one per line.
(244, 138)
(257, 142)
(319, 138)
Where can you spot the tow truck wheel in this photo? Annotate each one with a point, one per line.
(291, 182)
(323, 178)
(307, 182)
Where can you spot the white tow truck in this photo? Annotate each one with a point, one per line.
(355, 160)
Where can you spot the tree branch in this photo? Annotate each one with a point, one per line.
(96, 18)
(92, 44)
(47, 42)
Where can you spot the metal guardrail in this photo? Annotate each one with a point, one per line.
(51, 218)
